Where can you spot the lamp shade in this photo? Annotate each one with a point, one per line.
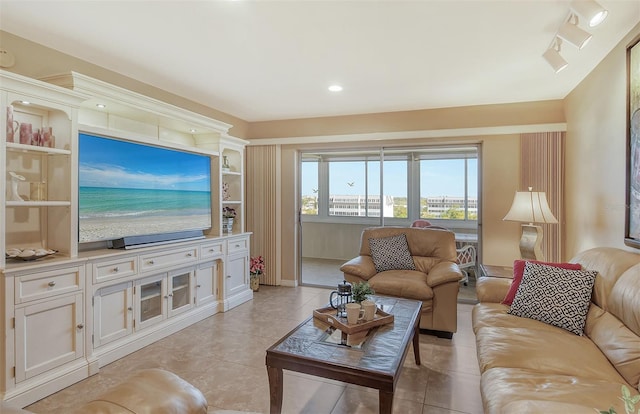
(530, 207)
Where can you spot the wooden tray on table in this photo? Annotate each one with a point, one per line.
(328, 315)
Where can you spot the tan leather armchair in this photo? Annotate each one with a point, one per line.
(434, 282)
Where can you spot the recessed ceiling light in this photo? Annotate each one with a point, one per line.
(335, 88)
(192, 130)
(101, 106)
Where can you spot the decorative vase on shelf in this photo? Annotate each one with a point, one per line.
(227, 224)
(225, 163)
(255, 282)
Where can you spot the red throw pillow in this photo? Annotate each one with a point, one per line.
(518, 270)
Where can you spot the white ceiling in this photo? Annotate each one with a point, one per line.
(266, 60)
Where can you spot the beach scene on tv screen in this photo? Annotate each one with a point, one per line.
(130, 189)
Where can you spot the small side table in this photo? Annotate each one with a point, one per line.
(504, 272)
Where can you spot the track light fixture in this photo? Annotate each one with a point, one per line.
(570, 32)
(590, 10)
(553, 57)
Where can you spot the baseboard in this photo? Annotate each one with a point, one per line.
(288, 283)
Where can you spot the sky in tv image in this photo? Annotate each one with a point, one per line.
(119, 164)
(129, 189)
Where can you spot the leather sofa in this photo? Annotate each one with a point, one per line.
(434, 282)
(150, 391)
(529, 366)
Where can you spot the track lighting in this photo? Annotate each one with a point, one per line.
(570, 32)
(590, 10)
(553, 57)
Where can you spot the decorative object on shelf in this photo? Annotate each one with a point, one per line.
(11, 127)
(531, 207)
(343, 296)
(26, 133)
(225, 163)
(256, 268)
(225, 192)
(360, 291)
(28, 254)
(15, 180)
(38, 191)
(228, 214)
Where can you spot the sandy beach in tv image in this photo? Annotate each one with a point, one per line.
(128, 189)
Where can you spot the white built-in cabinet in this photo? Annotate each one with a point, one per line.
(65, 316)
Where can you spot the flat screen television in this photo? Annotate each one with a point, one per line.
(132, 189)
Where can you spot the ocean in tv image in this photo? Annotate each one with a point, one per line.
(128, 189)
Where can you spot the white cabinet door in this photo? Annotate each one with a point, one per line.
(150, 298)
(207, 282)
(112, 313)
(237, 273)
(48, 334)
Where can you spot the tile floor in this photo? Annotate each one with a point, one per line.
(224, 356)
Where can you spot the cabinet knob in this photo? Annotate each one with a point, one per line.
(228, 276)
(198, 286)
(211, 250)
(116, 269)
(52, 283)
(189, 254)
(129, 308)
(237, 245)
(170, 295)
(80, 326)
(166, 296)
(150, 262)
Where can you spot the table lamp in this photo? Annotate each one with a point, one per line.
(531, 207)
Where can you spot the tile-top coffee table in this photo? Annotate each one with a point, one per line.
(371, 358)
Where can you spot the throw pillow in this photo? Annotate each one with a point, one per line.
(391, 253)
(553, 295)
(518, 270)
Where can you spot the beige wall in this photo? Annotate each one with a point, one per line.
(596, 155)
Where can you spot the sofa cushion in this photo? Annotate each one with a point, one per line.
(495, 314)
(409, 284)
(556, 296)
(620, 344)
(554, 351)
(518, 271)
(391, 253)
(502, 388)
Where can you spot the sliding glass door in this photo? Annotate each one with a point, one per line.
(343, 192)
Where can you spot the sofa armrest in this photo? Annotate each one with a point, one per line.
(492, 289)
(444, 272)
(361, 266)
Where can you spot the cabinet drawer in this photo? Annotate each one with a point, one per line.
(237, 245)
(211, 250)
(114, 269)
(47, 284)
(168, 258)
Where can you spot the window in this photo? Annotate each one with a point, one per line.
(393, 184)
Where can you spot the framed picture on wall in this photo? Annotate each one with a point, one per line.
(632, 222)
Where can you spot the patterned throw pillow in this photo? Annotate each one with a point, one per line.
(391, 253)
(518, 270)
(556, 296)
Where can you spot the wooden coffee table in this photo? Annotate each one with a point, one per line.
(371, 358)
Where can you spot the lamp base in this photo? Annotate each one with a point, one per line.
(531, 241)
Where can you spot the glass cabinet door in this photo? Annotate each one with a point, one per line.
(180, 291)
(151, 308)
